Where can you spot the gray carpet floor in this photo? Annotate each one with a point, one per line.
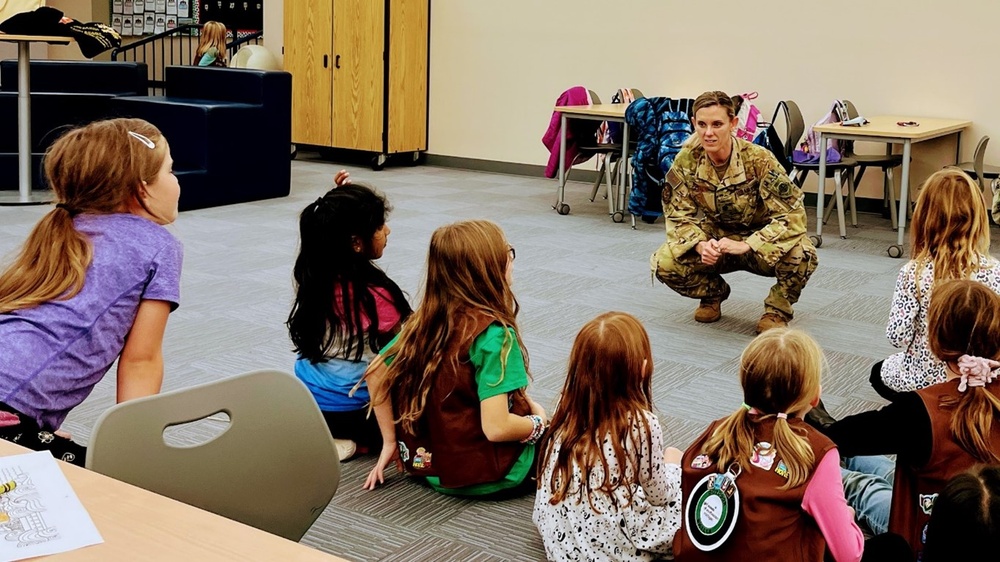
(236, 294)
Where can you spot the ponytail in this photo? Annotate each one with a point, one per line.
(795, 452)
(51, 265)
(972, 422)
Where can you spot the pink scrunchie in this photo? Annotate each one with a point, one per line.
(976, 371)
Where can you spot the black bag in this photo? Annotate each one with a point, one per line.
(771, 140)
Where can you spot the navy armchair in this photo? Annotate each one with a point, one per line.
(229, 132)
(64, 94)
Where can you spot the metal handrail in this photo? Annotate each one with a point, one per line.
(157, 57)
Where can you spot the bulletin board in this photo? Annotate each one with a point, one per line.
(149, 17)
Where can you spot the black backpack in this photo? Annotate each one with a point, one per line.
(771, 140)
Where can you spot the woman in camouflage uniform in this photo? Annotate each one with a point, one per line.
(729, 206)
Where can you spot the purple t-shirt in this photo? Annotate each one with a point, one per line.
(52, 355)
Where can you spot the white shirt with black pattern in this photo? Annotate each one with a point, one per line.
(642, 531)
(916, 367)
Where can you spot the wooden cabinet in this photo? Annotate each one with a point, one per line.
(359, 74)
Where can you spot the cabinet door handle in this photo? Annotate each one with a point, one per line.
(336, 62)
(326, 61)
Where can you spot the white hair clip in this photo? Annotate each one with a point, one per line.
(143, 139)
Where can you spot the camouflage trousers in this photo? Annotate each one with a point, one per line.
(691, 278)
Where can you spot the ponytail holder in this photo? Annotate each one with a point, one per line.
(782, 416)
(976, 371)
(746, 406)
(72, 212)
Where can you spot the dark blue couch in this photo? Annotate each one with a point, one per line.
(229, 132)
(63, 94)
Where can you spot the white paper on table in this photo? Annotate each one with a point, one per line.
(45, 515)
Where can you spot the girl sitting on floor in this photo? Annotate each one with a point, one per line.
(944, 429)
(449, 391)
(950, 240)
(761, 484)
(346, 308)
(607, 489)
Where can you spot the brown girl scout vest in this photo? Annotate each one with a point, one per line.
(771, 524)
(916, 487)
(449, 441)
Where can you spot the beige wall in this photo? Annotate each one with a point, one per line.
(497, 67)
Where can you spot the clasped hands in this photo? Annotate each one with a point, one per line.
(711, 250)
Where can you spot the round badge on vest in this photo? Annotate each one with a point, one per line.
(712, 509)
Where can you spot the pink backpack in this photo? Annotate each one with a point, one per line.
(749, 117)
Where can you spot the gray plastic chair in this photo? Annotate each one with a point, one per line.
(795, 128)
(274, 467)
(979, 170)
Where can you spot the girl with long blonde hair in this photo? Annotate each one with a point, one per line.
(950, 239)
(449, 391)
(607, 488)
(944, 429)
(784, 475)
(93, 283)
(211, 49)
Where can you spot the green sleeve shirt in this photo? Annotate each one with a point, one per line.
(492, 379)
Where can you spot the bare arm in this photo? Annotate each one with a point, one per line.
(382, 406)
(499, 424)
(140, 366)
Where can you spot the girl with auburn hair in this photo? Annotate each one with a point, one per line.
(346, 308)
(790, 503)
(211, 49)
(607, 488)
(944, 429)
(449, 391)
(94, 282)
(950, 239)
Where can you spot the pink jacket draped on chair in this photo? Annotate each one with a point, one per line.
(577, 95)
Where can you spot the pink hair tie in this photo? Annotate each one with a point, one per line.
(976, 371)
(782, 415)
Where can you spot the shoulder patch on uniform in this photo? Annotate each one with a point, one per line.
(674, 178)
(778, 184)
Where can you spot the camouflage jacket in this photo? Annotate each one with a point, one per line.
(755, 201)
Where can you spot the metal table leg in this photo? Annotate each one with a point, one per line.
(561, 207)
(24, 195)
(896, 250)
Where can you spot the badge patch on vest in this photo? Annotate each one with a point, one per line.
(404, 451)
(701, 462)
(712, 509)
(422, 459)
(763, 455)
(927, 502)
(781, 470)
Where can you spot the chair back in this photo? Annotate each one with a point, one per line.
(594, 98)
(274, 467)
(977, 161)
(795, 127)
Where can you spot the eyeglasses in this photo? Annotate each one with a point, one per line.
(513, 253)
(143, 139)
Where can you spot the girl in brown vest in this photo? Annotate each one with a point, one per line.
(761, 484)
(449, 390)
(608, 490)
(946, 428)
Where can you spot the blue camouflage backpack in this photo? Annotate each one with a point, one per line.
(661, 125)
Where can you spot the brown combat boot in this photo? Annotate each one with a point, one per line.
(771, 320)
(710, 310)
